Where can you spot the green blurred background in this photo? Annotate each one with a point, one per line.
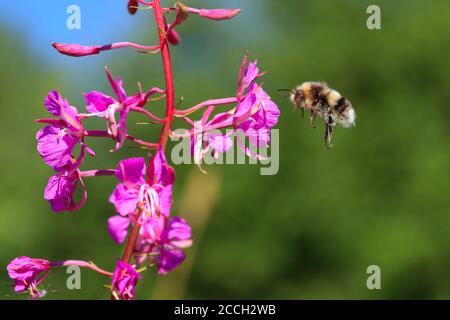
(380, 196)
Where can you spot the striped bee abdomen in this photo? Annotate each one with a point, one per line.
(344, 112)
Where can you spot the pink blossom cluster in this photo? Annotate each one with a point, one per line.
(142, 197)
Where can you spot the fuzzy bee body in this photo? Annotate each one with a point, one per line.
(326, 103)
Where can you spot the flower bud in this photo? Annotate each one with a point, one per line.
(76, 50)
(132, 6)
(173, 37)
(219, 14)
(27, 273)
(124, 281)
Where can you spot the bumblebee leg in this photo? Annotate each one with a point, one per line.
(313, 118)
(328, 136)
(329, 132)
(302, 110)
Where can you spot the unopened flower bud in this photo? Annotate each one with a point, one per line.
(219, 14)
(76, 50)
(133, 6)
(173, 37)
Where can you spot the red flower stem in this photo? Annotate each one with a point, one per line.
(165, 53)
(168, 120)
(131, 243)
(129, 249)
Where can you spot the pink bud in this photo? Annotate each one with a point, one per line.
(133, 6)
(76, 50)
(219, 14)
(173, 37)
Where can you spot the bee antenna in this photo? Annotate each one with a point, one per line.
(289, 90)
(286, 90)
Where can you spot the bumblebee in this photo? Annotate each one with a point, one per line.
(326, 103)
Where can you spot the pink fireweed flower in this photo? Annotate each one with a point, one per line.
(124, 281)
(163, 241)
(254, 116)
(147, 189)
(102, 105)
(57, 141)
(247, 76)
(255, 113)
(27, 273)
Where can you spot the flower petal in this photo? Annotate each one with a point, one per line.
(268, 112)
(52, 103)
(118, 228)
(220, 142)
(245, 108)
(124, 199)
(169, 260)
(165, 200)
(117, 86)
(122, 129)
(164, 173)
(220, 118)
(60, 107)
(178, 233)
(152, 230)
(55, 146)
(131, 170)
(97, 101)
(257, 137)
(70, 115)
(250, 74)
(59, 192)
